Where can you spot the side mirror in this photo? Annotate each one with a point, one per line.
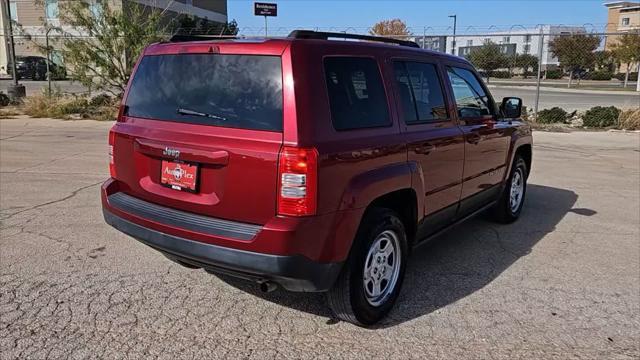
(511, 107)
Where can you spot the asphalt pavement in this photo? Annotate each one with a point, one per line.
(562, 282)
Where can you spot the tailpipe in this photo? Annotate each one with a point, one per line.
(268, 286)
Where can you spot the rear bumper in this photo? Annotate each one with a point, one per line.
(300, 254)
(294, 273)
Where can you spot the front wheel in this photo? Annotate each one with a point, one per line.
(370, 281)
(509, 206)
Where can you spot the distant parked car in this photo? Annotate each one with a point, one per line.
(35, 68)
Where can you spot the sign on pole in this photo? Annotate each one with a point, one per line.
(265, 9)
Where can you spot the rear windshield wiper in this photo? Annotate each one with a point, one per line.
(183, 111)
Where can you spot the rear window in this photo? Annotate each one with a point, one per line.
(239, 91)
(356, 94)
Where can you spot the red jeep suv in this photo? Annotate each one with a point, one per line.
(313, 162)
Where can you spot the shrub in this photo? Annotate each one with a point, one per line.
(4, 99)
(600, 117)
(598, 75)
(101, 100)
(554, 74)
(633, 76)
(501, 74)
(552, 116)
(629, 119)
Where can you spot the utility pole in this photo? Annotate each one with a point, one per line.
(15, 90)
(540, 46)
(453, 42)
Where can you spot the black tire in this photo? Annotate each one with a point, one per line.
(347, 298)
(503, 212)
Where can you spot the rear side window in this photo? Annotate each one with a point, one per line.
(420, 92)
(471, 99)
(239, 91)
(356, 94)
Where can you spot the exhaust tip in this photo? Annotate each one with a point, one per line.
(268, 286)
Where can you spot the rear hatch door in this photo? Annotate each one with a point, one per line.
(201, 130)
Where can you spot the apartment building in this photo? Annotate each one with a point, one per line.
(31, 17)
(622, 16)
(517, 41)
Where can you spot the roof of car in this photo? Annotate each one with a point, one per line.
(282, 42)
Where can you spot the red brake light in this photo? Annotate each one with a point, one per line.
(298, 181)
(112, 165)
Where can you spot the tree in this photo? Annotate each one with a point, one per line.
(104, 59)
(604, 60)
(627, 51)
(574, 52)
(526, 62)
(389, 28)
(488, 57)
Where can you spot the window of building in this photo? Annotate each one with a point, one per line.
(527, 48)
(13, 7)
(356, 94)
(470, 42)
(527, 38)
(420, 92)
(506, 39)
(51, 9)
(625, 21)
(487, 40)
(471, 99)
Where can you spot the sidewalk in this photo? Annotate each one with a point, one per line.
(560, 90)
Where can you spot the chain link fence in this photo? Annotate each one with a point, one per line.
(570, 67)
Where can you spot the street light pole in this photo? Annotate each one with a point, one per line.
(15, 90)
(453, 42)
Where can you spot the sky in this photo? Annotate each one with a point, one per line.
(472, 15)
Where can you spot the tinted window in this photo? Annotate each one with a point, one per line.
(427, 92)
(471, 99)
(404, 91)
(239, 91)
(356, 94)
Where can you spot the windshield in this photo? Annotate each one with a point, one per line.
(240, 91)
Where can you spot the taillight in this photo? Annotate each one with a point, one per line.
(298, 181)
(112, 165)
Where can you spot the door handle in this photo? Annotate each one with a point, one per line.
(426, 149)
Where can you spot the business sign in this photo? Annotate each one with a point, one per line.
(265, 9)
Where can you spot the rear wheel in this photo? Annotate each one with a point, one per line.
(509, 206)
(370, 281)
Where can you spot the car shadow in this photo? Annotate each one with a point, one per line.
(457, 263)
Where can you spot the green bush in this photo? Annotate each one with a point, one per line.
(552, 116)
(4, 99)
(101, 100)
(599, 75)
(600, 117)
(501, 74)
(633, 76)
(554, 74)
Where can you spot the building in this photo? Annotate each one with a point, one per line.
(517, 41)
(623, 16)
(436, 43)
(33, 15)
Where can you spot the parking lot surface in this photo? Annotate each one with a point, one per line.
(562, 282)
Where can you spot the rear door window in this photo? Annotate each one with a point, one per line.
(356, 94)
(239, 91)
(421, 89)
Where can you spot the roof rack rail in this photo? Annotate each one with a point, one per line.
(186, 37)
(310, 34)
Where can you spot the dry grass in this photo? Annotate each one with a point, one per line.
(629, 119)
(68, 107)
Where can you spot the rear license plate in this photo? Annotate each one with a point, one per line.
(179, 176)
